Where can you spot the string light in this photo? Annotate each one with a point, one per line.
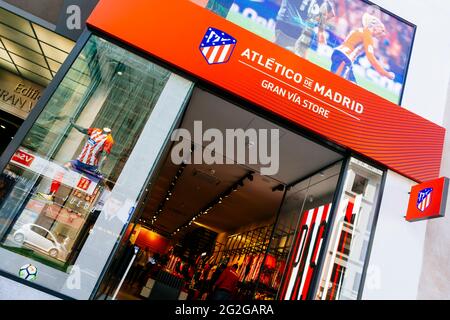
(168, 194)
(217, 201)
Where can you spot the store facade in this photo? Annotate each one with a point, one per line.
(70, 209)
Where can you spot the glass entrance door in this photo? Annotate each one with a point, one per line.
(292, 258)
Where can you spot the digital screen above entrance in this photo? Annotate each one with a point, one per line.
(352, 38)
(262, 73)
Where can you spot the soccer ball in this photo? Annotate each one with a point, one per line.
(28, 272)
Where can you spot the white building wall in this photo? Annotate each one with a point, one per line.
(410, 260)
(435, 277)
(397, 251)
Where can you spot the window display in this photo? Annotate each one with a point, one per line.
(66, 192)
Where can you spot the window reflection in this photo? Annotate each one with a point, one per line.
(347, 249)
(63, 179)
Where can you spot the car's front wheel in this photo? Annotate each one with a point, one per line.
(53, 252)
(19, 238)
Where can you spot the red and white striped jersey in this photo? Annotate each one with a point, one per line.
(98, 141)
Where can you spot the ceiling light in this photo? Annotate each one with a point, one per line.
(119, 73)
(2, 126)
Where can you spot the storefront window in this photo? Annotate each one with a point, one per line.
(349, 240)
(74, 181)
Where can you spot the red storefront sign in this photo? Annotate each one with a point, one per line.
(428, 200)
(234, 59)
(23, 158)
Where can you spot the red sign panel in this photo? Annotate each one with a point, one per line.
(428, 200)
(84, 184)
(234, 59)
(23, 158)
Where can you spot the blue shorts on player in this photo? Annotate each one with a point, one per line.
(340, 60)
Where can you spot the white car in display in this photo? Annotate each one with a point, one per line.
(40, 238)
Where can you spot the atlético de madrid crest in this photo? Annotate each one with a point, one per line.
(217, 46)
(424, 199)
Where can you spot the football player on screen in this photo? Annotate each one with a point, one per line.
(360, 41)
(299, 21)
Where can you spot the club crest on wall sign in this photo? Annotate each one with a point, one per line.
(428, 200)
(424, 199)
(217, 46)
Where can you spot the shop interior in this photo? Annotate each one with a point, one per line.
(198, 218)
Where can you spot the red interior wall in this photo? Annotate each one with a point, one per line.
(155, 242)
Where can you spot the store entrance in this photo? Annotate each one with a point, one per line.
(8, 128)
(225, 228)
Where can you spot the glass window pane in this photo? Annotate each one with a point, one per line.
(24, 52)
(52, 38)
(33, 77)
(54, 65)
(8, 66)
(73, 184)
(30, 66)
(19, 23)
(54, 53)
(19, 37)
(347, 249)
(4, 55)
